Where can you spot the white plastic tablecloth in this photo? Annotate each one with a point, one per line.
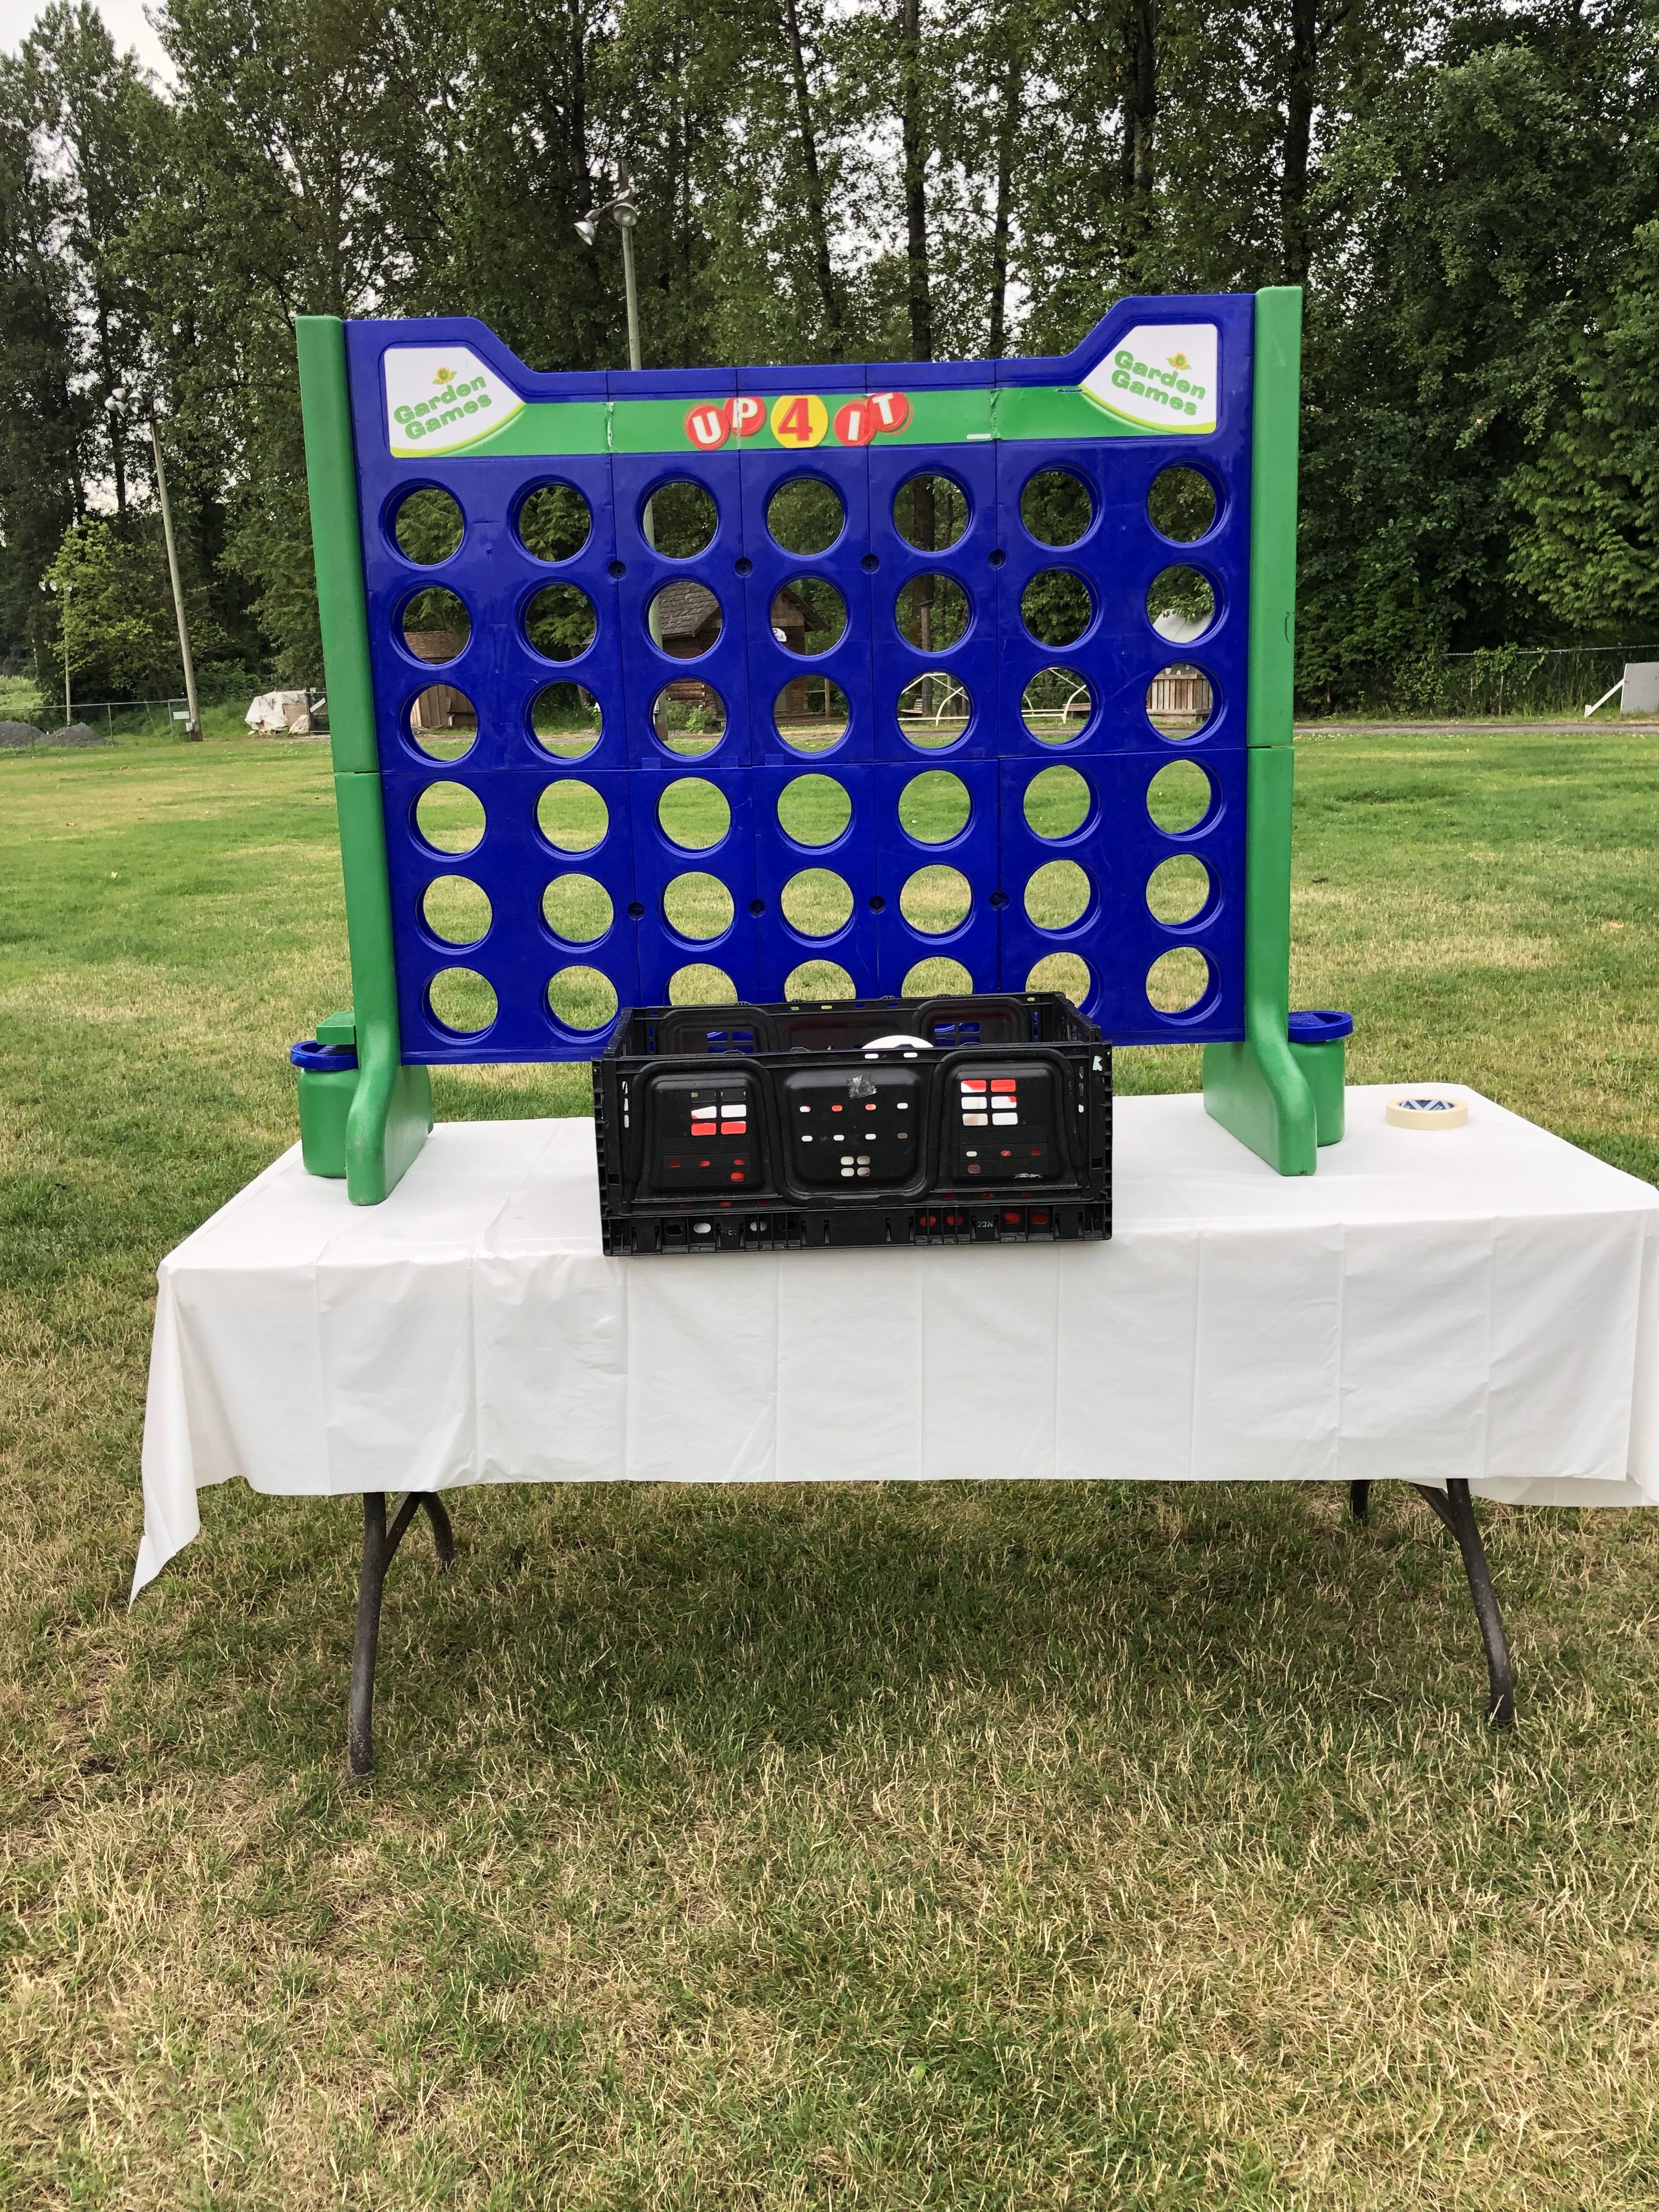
(1478, 1302)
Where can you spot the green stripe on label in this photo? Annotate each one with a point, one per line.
(976, 416)
(551, 426)
(946, 418)
(1058, 411)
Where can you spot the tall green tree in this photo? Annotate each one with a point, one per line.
(43, 418)
(1475, 214)
(1587, 545)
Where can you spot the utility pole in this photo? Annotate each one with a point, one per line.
(50, 584)
(624, 218)
(193, 728)
(623, 214)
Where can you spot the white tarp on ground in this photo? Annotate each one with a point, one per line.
(1479, 1302)
(284, 710)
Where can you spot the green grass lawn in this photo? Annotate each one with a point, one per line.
(968, 1847)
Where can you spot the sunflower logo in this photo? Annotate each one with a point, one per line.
(1179, 361)
(445, 376)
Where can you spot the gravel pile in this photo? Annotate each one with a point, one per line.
(14, 736)
(77, 733)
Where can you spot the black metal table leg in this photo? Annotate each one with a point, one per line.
(379, 1546)
(1455, 1508)
(1359, 1499)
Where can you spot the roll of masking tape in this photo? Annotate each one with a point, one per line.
(1426, 1109)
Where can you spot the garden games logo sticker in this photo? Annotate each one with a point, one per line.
(441, 399)
(1160, 377)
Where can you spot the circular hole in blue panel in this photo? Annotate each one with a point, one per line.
(449, 818)
(1180, 702)
(695, 814)
(577, 909)
(435, 626)
(805, 515)
(698, 984)
(684, 619)
(820, 979)
(1055, 607)
(810, 714)
(1057, 507)
(936, 977)
(688, 717)
(933, 711)
(936, 900)
(932, 612)
(1179, 797)
(462, 1001)
(554, 522)
(814, 809)
(1178, 982)
(698, 905)
(930, 512)
(1056, 705)
(1181, 604)
(817, 901)
(428, 526)
(1057, 895)
(934, 806)
(808, 615)
(1178, 890)
(565, 720)
(442, 723)
(560, 622)
(572, 816)
(456, 909)
(680, 518)
(1181, 505)
(1058, 802)
(1065, 972)
(583, 1000)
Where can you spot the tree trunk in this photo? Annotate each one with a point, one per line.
(1298, 137)
(915, 193)
(828, 291)
(1013, 87)
(1138, 168)
(112, 423)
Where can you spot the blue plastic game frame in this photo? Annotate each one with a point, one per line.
(406, 405)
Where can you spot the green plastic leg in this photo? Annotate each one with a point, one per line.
(1258, 1102)
(389, 1121)
(391, 1109)
(1256, 1089)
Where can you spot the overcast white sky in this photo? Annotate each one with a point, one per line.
(125, 19)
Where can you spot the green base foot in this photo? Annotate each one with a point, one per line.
(388, 1124)
(1265, 1101)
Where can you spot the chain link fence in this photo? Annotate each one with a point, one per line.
(110, 719)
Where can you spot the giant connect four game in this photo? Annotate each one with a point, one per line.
(849, 680)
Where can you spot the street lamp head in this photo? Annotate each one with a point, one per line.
(587, 230)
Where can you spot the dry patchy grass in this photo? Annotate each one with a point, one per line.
(967, 1846)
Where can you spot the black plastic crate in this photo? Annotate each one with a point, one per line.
(764, 1128)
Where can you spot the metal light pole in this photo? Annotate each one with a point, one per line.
(50, 584)
(623, 214)
(193, 728)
